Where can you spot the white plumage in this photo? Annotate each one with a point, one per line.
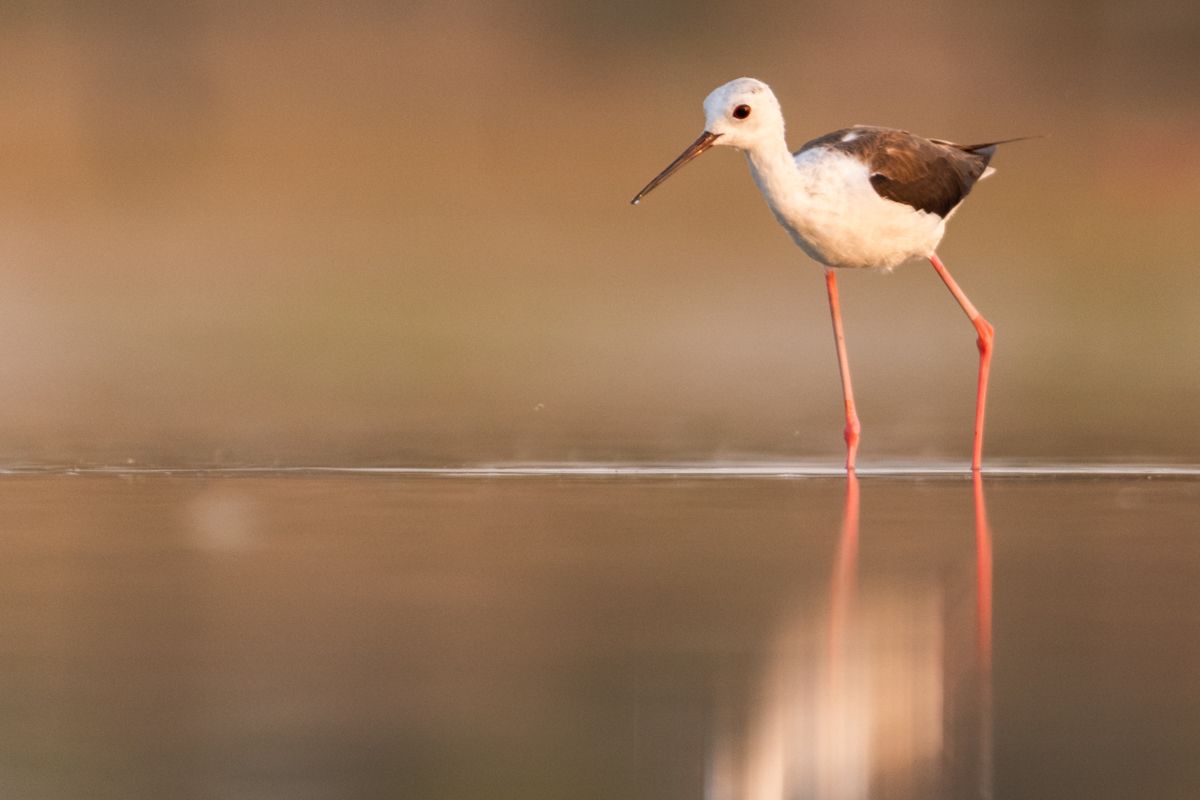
(826, 202)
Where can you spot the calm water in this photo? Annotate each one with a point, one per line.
(549, 637)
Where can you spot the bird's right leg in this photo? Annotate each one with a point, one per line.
(987, 335)
(852, 427)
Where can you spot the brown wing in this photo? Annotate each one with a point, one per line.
(927, 174)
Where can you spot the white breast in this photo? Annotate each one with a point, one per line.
(834, 214)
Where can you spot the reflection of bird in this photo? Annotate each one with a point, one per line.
(858, 197)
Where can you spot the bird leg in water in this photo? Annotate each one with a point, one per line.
(987, 335)
(839, 339)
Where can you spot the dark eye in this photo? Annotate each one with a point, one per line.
(741, 112)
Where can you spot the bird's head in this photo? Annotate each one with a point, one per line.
(741, 114)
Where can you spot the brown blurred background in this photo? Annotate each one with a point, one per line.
(400, 234)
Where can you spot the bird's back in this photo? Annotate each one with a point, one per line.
(928, 175)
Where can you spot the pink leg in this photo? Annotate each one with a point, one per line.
(987, 335)
(852, 426)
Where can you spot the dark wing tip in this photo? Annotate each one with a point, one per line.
(974, 148)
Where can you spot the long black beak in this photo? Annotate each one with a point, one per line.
(697, 147)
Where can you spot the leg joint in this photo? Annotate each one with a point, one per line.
(987, 334)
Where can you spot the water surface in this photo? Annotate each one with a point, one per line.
(543, 636)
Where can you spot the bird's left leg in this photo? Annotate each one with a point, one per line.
(853, 428)
(987, 335)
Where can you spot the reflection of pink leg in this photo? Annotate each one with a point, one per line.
(983, 606)
(839, 339)
(845, 571)
(987, 335)
(983, 576)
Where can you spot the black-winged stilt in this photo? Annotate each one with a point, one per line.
(859, 197)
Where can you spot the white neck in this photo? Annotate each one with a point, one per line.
(774, 170)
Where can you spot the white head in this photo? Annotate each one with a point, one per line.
(742, 113)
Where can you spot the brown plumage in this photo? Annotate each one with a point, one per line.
(928, 174)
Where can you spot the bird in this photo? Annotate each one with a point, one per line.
(859, 197)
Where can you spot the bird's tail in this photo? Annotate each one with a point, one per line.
(979, 148)
(986, 150)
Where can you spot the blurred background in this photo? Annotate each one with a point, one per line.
(381, 234)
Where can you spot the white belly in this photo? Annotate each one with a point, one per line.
(836, 216)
